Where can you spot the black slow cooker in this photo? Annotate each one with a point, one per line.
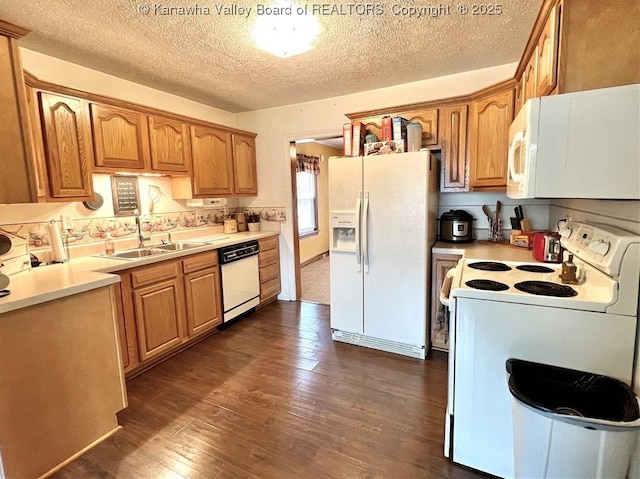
(456, 227)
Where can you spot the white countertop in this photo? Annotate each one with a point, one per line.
(47, 283)
(485, 251)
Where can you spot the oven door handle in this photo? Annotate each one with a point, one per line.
(445, 291)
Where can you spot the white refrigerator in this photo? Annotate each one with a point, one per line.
(383, 214)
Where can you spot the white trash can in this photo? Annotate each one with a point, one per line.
(571, 424)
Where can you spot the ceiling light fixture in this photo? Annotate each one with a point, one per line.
(285, 29)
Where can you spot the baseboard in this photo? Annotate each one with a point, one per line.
(315, 258)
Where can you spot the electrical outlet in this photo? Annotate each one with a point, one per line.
(67, 222)
(144, 217)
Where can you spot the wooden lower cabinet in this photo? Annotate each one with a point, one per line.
(269, 261)
(164, 306)
(202, 292)
(159, 310)
(440, 265)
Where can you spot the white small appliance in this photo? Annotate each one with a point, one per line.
(577, 145)
(523, 311)
(383, 212)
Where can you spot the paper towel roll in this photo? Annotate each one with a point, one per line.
(55, 241)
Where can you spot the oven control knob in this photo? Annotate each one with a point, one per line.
(599, 247)
(565, 232)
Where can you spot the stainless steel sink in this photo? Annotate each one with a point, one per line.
(179, 246)
(137, 253)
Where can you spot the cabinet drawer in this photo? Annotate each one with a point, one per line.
(200, 261)
(267, 273)
(269, 289)
(268, 243)
(268, 257)
(154, 273)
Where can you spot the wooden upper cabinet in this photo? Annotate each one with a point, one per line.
(453, 140)
(244, 165)
(18, 181)
(120, 137)
(67, 146)
(531, 77)
(169, 145)
(428, 119)
(489, 123)
(546, 54)
(212, 162)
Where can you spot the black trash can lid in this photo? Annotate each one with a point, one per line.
(553, 389)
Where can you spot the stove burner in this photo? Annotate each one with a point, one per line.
(487, 284)
(489, 266)
(545, 288)
(534, 268)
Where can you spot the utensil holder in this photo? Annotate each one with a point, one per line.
(495, 231)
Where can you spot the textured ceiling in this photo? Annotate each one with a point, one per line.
(210, 57)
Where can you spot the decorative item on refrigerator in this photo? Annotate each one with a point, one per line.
(346, 137)
(399, 128)
(359, 132)
(387, 128)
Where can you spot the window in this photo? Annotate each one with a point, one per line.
(307, 203)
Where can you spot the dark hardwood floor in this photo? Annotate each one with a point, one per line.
(274, 396)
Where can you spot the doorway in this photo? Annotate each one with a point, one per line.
(310, 187)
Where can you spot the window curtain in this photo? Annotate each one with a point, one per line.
(308, 164)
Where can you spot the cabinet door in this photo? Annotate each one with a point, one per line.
(212, 168)
(120, 138)
(428, 119)
(169, 145)
(441, 264)
(204, 307)
(531, 77)
(67, 146)
(547, 54)
(159, 317)
(244, 165)
(489, 139)
(453, 137)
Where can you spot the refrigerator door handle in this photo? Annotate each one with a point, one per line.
(365, 232)
(358, 217)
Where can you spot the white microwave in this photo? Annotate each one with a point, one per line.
(577, 145)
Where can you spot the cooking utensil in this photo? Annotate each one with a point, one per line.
(517, 219)
(498, 209)
(96, 203)
(487, 212)
(515, 223)
(520, 212)
(5, 245)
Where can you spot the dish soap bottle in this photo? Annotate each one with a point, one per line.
(109, 247)
(569, 272)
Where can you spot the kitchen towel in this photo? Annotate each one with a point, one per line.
(55, 241)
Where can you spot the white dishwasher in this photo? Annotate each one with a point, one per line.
(240, 275)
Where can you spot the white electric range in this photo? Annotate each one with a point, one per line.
(522, 310)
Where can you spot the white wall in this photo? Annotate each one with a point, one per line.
(61, 72)
(624, 214)
(276, 127)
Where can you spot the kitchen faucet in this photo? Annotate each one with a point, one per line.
(141, 238)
